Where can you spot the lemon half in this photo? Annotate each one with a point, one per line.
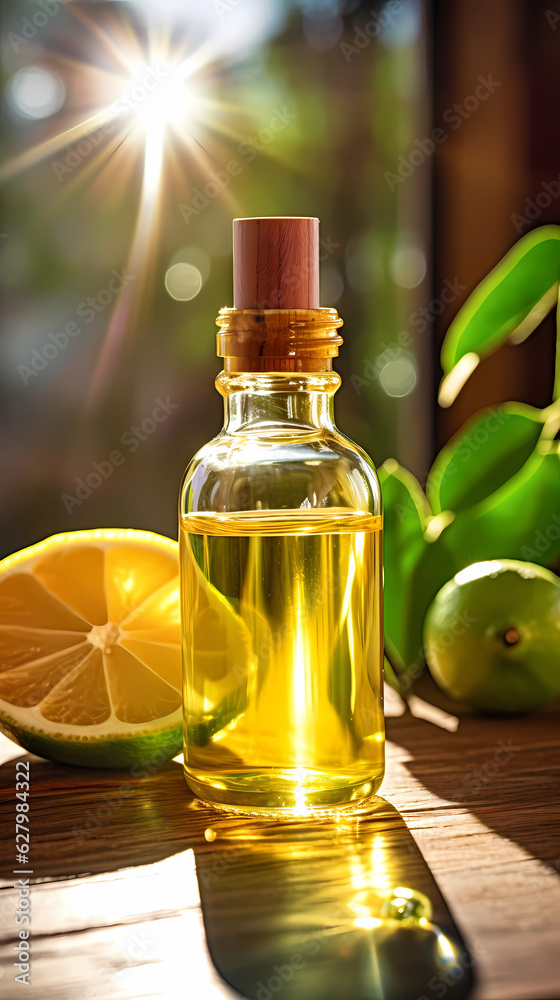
(90, 648)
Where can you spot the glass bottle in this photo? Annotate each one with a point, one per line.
(281, 558)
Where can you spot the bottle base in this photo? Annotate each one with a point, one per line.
(289, 791)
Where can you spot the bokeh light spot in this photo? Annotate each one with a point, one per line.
(195, 256)
(402, 27)
(34, 92)
(183, 282)
(408, 266)
(398, 377)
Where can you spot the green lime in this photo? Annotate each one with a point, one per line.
(492, 636)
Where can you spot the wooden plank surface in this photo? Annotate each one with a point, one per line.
(483, 805)
(113, 860)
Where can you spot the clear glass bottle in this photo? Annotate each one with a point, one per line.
(281, 575)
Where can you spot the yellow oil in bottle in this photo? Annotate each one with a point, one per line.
(282, 637)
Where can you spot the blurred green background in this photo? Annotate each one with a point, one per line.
(324, 108)
(342, 117)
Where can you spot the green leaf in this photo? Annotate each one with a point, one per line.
(487, 452)
(405, 511)
(405, 507)
(414, 567)
(508, 304)
(521, 520)
(435, 567)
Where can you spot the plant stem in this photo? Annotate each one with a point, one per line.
(398, 674)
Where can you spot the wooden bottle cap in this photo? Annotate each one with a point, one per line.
(276, 263)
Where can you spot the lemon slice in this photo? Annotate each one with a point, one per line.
(222, 660)
(90, 648)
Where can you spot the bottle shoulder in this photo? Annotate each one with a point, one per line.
(230, 450)
(278, 469)
(352, 449)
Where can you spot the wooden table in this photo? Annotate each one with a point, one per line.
(115, 901)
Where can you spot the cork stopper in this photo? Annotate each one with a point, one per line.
(276, 263)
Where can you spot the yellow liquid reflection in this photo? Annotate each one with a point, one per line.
(282, 652)
(325, 910)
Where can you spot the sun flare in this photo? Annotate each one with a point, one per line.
(153, 117)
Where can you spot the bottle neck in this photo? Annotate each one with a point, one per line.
(278, 340)
(266, 400)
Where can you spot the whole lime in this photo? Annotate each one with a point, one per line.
(492, 636)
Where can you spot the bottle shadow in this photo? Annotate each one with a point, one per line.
(327, 908)
(331, 906)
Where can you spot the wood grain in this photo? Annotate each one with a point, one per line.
(276, 263)
(116, 909)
